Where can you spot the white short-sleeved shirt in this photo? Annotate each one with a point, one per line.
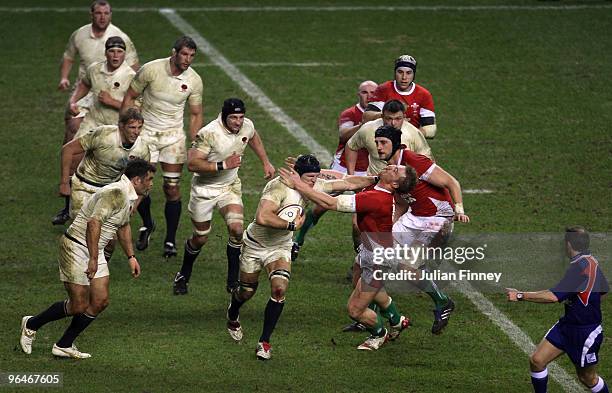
(111, 205)
(164, 95)
(91, 49)
(365, 138)
(219, 143)
(283, 196)
(116, 83)
(105, 157)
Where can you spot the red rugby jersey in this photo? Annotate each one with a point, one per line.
(350, 117)
(430, 200)
(417, 100)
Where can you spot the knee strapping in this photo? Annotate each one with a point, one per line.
(200, 233)
(234, 218)
(171, 179)
(248, 286)
(280, 273)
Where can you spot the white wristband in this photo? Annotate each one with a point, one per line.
(459, 208)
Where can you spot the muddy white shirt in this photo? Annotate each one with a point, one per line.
(164, 95)
(219, 143)
(111, 206)
(105, 157)
(115, 83)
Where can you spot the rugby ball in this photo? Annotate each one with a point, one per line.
(290, 212)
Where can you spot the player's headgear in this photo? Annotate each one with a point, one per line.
(406, 61)
(230, 107)
(307, 163)
(392, 134)
(114, 42)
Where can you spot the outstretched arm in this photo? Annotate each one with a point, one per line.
(544, 296)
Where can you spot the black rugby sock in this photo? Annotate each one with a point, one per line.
(144, 209)
(56, 311)
(78, 324)
(173, 215)
(271, 315)
(189, 258)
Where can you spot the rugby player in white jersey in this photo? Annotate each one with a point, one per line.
(215, 158)
(166, 85)
(82, 266)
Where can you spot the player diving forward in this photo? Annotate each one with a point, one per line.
(375, 208)
(431, 214)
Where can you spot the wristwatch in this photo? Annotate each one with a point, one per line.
(520, 296)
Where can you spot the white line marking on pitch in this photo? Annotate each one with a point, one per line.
(390, 8)
(273, 64)
(518, 337)
(477, 191)
(248, 86)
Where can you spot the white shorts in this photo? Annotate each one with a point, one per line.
(80, 192)
(411, 229)
(166, 146)
(254, 257)
(73, 260)
(336, 166)
(203, 200)
(84, 104)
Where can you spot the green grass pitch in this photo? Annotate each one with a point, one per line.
(524, 109)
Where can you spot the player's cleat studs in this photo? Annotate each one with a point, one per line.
(441, 317)
(295, 251)
(396, 330)
(71, 352)
(373, 343)
(169, 250)
(180, 284)
(263, 350)
(354, 327)
(27, 336)
(61, 218)
(144, 237)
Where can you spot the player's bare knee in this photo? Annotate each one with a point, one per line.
(75, 307)
(235, 227)
(587, 377)
(354, 311)
(536, 362)
(235, 234)
(99, 305)
(278, 292)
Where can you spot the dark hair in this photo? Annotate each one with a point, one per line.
(100, 3)
(183, 42)
(393, 106)
(137, 167)
(409, 182)
(130, 114)
(307, 163)
(578, 238)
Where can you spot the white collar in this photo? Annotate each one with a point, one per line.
(404, 93)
